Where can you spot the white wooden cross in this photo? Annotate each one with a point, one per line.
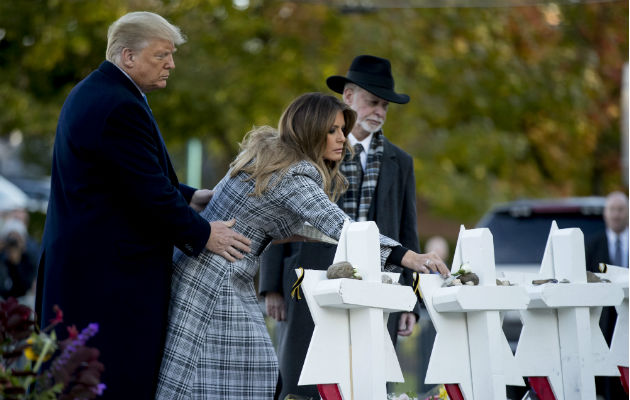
(561, 339)
(470, 347)
(350, 345)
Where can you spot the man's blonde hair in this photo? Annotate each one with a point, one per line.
(135, 30)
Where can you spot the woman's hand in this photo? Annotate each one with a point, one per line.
(425, 263)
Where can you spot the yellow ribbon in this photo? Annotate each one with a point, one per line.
(416, 286)
(295, 290)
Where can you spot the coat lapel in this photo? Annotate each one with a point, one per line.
(389, 170)
(388, 173)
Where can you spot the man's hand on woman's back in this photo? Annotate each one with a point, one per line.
(226, 242)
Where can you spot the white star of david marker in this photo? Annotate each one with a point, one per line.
(350, 345)
(470, 348)
(561, 339)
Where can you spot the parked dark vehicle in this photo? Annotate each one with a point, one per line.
(520, 228)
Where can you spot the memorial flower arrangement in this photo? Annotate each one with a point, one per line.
(463, 276)
(437, 393)
(463, 270)
(35, 365)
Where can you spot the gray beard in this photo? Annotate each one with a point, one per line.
(368, 128)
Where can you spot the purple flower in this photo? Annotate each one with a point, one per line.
(98, 389)
(72, 346)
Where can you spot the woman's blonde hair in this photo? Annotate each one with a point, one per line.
(301, 135)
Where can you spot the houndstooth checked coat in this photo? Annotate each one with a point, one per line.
(217, 343)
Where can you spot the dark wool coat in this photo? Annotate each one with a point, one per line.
(597, 251)
(393, 209)
(116, 210)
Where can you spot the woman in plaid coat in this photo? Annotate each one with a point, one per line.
(217, 343)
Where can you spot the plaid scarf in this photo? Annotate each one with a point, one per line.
(361, 185)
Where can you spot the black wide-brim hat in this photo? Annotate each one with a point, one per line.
(371, 73)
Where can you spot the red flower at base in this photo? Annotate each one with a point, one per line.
(15, 320)
(58, 315)
(73, 333)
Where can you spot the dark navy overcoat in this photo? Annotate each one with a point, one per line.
(116, 211)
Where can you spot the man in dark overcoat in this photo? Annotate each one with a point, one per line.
(610, 246)
(382, 188)
(117, 210)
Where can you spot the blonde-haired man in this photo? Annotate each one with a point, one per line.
(117, 209)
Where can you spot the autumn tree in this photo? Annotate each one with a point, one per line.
(506, 102)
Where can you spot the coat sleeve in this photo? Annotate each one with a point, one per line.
(408, 226)
(596, 250)
(187, 192)
(132, 151)
(301, 193)
(272, 269)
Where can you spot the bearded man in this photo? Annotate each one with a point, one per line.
(382, 188)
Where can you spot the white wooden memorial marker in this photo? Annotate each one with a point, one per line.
(561, 339)
(350, 345)
(470, 347)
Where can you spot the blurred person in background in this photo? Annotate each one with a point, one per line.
(19, 213)
(18, 259)
(610, 247)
